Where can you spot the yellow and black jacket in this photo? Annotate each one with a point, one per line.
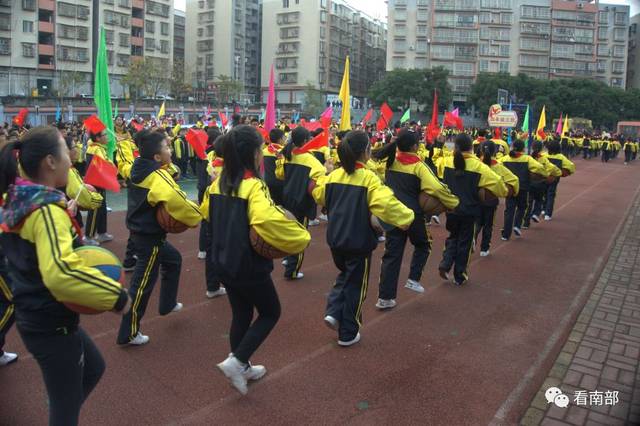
(466, 185)
(231, 217)
(561, 162)
(87, 200)
(152, 185)
(298, 175)
(322, 154)
(125, 155)
(521, 165)
(507, 176)
(179, 148)
(408, 176)
(270, 154)
(44, 269)
(96, 149)
(350, 201)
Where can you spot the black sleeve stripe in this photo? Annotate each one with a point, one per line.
(63, 266)
(182, 195)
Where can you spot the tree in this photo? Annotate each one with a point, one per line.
(313, 100)
(68, 81)
(229, 90)
(157, 76)
(134, 79)
(178, 85)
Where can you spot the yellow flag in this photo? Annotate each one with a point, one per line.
(565, 126)
(161, 112)
(345, 117)
(541, 124)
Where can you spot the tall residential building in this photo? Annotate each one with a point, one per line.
(308, 41)
(179, 22)
(633, 71)
(222, 38)
(50, 46)
(545, 39)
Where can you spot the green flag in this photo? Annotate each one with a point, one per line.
(115, 111)
(525, 123)
(101, 94)
(406, 116)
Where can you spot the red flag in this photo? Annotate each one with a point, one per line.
(451, 120)
(385, 116)
(94, 125)
(264, 133)
(541, 134)
(223, 118)
(208, 111)
(316, 143)
(433, 129)
(311, 126)
(103, 174)
(19, 119)
(137, 126)
(236, 109)
(368, 116)
(497, 133)
(198, 140)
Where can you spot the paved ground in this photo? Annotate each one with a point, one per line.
(603, 349)
(452, 356)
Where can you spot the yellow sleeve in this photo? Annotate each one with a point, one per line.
(384, 205)
(430, 184)
(551, 168)
(492, 181)
(204, 206)
(318, 192)
(87, 200)
(317, 169)
(508, 177)
(124, 155)
(568, 165)
(63, 272)
(165, 190)
(280, 168)
(272, 225)
(440, 165)
(536, 167)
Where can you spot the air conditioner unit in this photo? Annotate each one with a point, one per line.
(580, 6)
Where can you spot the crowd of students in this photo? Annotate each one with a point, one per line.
(366, 185)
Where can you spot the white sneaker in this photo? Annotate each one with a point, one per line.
(331, 322)
(535, 218)
(414, 285)
(7, 358)
(178, 307)
(234, 371)
(104, 238)
(90, 242)
(386, 304)
(517, 231)
(139, 340)
(202, 255)
(436, 219)
(254, 372)
(297, 277)
(219, 292)
(109, 209)
(284, 262)
(314, 222)
(484, 253)
(350, 342)
(547, 217)
(504, 238)
(542, 212)
(381, 239)
(323, 217)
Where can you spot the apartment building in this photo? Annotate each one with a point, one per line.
(545, 39)
(223, 38)
(308, 41)
(49, 46)
(179, 22)
(633, 70)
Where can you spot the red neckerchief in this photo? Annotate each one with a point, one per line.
(359, 165)
(248, 174)
(407, 158)
(273, 148)
(482, 139)
(518, 154)
(494, 162)
(218, 162)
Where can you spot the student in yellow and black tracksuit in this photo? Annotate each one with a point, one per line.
(352, 193)
(464, 174)
(566, 166)
(484, 225)
(628, 151)
(126, 153)
(152, 185)
(270, 154)
(538, 188)
(96, 227)
(607, 150)
(46, 273)
(237, 201)
(408, 176)
(299, 170)
(7, 316)
(204, 180)
(76, 188)
(586, 149)
(523, 166)
(180, 154)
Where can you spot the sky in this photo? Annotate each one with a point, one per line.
(378, 8)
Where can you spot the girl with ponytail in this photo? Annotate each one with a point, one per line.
(489, 151)
(465, 175)
(235, 205)
(352, 194)
(538, 188)
(408, 177)
(566, 166)
(47, 274)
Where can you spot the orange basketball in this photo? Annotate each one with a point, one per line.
(431, 206)
(565, 173)
(263, 248)
(488, 197)
(167, 222)
(535, 177)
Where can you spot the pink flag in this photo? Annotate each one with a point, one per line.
(455, 112)
(270, 113)
(559, 126)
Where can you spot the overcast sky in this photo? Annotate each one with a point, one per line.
(378, 8)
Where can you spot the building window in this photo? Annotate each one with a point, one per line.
(442, 52)
(164, 28)
(484, 66)
(205, 17)
(124, 3)
(29, 5)
(73, 54)
(72, 10)
(601, 65)
(534, 44)
(27, 26)
(399, 45)
(110, 57)
(534, 61)
(114, 18)
(398, 63)
(164, 46)
(602, 33)
(5, 22)
(209, 30)
(149, 27)
(149, 44)
(289, 77)
(603, 17)
(292, 32)
(620, 18)
(603, 50)
(123, 60)
(503, 66)
(285, 3)
(124, 39)
(463, 69)
(618, 51)
(617, 67)
(619, 34)
(158, 9)
(294, 17)
(29, 50)
(108, 35)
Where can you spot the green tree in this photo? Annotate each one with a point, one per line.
(157, 77)
(134, 79)
(68, 81)
(314, 102)
(229, 90)
(178, 85)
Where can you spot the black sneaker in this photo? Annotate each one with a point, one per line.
(129, 267)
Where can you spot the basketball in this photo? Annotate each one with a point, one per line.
(431, 206)
(535, 177)
(105, 262)
(263, 248)
(167, 222)
(488, 197)
(565, 173)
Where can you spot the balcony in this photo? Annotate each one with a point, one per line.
(45, 62)
(45, 49)
(137, 41)
(137, 22)
(46, 5)
(45, 27)
(137, 4)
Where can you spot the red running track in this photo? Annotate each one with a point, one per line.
(452, 356)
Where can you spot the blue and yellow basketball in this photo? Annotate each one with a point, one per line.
(105, 262)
